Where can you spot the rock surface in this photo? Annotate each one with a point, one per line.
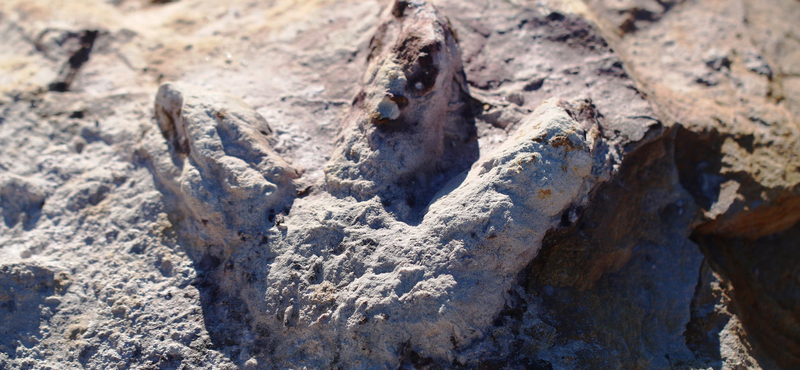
(404, 184)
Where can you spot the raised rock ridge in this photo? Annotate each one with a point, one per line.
(560, 185)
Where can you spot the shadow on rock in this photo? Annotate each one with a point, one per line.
(27, 297)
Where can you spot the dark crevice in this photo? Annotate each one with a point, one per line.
(749, 247)
(78, 58)
(702, 330)
(699, 162)
(399, 8)
(594, 268)
(764, 289)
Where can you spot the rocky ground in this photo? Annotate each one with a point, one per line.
(558, 184)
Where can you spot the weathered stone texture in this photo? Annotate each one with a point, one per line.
(404, 184)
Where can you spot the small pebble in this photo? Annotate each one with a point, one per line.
(251, 364)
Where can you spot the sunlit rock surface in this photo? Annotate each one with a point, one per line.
(559, 184)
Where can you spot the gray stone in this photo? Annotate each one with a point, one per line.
(366, 184)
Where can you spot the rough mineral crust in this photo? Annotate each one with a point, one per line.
(404, 184)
